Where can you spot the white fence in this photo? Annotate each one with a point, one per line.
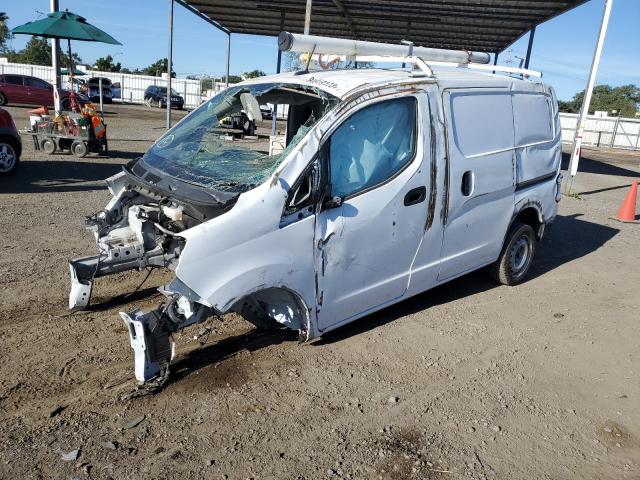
(612, 132)
(132, 86)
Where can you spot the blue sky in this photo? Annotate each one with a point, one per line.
(563, 46)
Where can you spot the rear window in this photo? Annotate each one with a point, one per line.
(482, 122)
(13, 79)
(532, 118)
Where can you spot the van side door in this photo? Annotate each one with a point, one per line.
(480, 146)
(375, 209)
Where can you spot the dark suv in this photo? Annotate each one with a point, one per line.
(93, 89)
(155, 96)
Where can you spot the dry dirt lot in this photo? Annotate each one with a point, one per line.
(471, 380)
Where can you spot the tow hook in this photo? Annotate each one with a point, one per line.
(150, 336)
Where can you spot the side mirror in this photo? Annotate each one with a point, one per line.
(333, 202)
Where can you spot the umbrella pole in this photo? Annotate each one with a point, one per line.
(70, 63)
(55, 64)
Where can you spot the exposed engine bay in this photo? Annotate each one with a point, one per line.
(139, 228)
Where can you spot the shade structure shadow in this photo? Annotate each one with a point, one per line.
(590, 165)
(43, 176)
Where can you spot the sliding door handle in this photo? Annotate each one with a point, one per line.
(468, 183)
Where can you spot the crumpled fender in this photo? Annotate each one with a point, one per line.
(246, 249)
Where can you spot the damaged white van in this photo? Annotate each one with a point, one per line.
(376, 186)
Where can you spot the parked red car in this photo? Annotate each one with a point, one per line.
(10, 144)
(32, 91)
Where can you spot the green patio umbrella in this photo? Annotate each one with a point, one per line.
(75, 72)
(67, 25)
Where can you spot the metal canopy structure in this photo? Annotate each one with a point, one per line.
(481, 25)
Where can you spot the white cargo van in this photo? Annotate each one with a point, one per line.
(390, 183)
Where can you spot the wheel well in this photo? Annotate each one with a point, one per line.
(14, 143)
(530, 216)
(274, 306)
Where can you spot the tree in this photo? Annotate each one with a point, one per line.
(105, 64)
(5, 33)
(621, 101)
(253, 74)
(37, 51)
(158, 68)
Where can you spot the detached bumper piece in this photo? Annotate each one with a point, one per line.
(150, 336)
(151, 343)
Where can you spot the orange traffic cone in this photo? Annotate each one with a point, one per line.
(627, 212)
(43, 110)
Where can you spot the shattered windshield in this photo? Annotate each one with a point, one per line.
(226, 144)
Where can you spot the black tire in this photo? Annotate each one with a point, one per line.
(79, 149)
(49, 146)
(516, 256)
(3, 99)
(9, 156)
(65, 103)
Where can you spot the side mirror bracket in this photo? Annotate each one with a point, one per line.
(333, 202)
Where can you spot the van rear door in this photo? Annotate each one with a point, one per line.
(480, 145)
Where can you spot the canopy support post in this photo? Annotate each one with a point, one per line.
(495, 60)
(307, 18)
(584, 111)
(532, 34)
(274, 119)
(169, 64)
(55, 47)
(226, 76)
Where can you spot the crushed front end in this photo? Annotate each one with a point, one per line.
(140, 227)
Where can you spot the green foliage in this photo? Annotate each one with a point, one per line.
(158, 68)
(253, 74)
(106, 64)
(622, 101)
(37, 51)
(5, 34)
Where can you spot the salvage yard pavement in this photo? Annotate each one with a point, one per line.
(470, 380)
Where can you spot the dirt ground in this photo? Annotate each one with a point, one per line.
(470, 380)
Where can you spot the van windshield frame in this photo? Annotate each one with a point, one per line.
(204, 149)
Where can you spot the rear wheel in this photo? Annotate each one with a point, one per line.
(516, 257)
(79, 149)
(8, 156)
(3, 99)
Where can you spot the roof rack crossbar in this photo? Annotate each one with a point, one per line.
(422, 65)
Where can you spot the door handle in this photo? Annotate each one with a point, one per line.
(468, 183)
(415, 196)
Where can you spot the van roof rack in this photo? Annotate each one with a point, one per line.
(332, 49)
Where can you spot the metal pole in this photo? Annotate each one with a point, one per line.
(275, 105)
(55, 45)
(582, 120)
(100, 93)
(169, 64)
(274, 120)
(226, 77)
(532, 34)
(307, 18)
